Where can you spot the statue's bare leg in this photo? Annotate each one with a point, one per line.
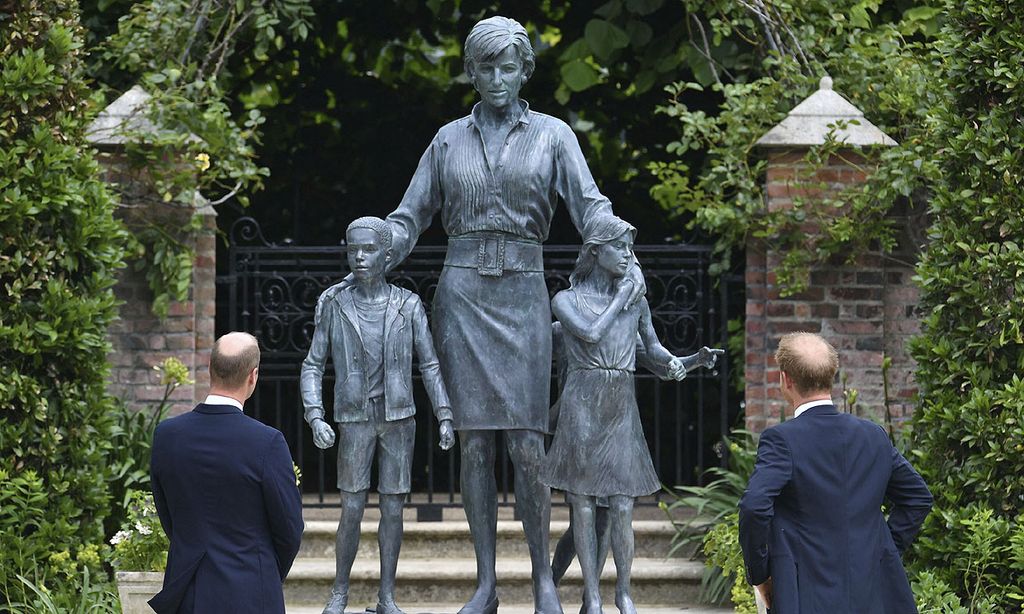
(345, 548)
(389, 540)
(533, 502)
(621, 511)
(584, 532)
(565, 549)
(480, 500)
(565, 552)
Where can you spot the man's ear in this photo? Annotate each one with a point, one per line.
(387, 255)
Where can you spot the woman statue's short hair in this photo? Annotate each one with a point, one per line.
(491, 36)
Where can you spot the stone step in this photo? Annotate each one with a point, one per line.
(451, 539)
(669, 582)
(520, 608)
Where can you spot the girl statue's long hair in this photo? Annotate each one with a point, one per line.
(598, 230)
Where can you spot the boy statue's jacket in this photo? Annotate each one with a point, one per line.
(337, 333)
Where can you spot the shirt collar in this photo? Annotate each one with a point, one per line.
(523, 119)
(809, 404)
(216, 399)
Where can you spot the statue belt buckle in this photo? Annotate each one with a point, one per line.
(490, 261)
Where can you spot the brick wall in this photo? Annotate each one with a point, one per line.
(141, 341)
(865, 309)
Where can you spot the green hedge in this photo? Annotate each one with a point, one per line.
(60, 250)
(969, 427)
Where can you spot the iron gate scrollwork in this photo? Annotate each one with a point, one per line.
(271, 291)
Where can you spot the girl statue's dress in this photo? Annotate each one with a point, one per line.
(599, 447)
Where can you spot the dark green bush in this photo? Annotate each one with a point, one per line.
(969, 426)
(60, 251)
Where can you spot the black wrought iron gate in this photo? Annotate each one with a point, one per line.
(271, 291)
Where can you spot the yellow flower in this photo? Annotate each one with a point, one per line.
(204, 161)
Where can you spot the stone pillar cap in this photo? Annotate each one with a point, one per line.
(124, 119)
(812, 120)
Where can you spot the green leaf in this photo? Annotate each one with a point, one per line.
(604, 38)
(579, 75)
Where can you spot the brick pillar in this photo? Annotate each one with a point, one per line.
(141, 340)
(865, 309)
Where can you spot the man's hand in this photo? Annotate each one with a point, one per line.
(323, 434)
(447, 433)
(765, 590)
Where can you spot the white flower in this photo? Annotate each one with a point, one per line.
(143, 529)
(118, 537)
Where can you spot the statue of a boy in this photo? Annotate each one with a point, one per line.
(369, 329)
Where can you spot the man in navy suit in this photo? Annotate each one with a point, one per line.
(812, 531)
(227, 498)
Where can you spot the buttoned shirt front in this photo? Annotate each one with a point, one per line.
(539, 162)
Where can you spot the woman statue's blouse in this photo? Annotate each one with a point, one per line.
(539, 162)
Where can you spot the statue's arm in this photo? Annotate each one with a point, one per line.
(644, 360)
(311, 376)
(422, 200)
(655, 352)
(577, 325)
(430, 367)
(574, 181)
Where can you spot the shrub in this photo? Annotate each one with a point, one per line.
(59, 250)
(969, 425)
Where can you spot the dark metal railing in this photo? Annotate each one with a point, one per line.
(271, 291)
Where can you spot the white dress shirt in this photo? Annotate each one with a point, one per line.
(216, 399)
(809, 404)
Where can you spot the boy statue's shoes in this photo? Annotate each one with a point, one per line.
(336, 604)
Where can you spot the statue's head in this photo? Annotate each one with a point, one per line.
(499, 59)
(368, 241)
(608, 244)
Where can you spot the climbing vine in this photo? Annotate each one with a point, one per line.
(192, 149)
(879, 61)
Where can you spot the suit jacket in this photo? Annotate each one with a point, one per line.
(811, 516)
(337, 334)
(226, 495)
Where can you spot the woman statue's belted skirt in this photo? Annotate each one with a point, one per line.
(491, 322)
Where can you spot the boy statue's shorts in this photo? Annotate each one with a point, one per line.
(393, 442)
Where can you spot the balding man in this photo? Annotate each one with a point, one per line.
(226, 495)
(812, 531)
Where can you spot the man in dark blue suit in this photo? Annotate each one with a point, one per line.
(812, 531)
(227, 498)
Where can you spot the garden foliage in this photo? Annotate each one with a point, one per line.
(761, 62)
(969, 426)
(60, 250)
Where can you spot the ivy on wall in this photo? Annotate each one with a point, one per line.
(195, 143)
(879, 61)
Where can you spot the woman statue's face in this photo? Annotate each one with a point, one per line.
(616, 256)
(499, 79)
